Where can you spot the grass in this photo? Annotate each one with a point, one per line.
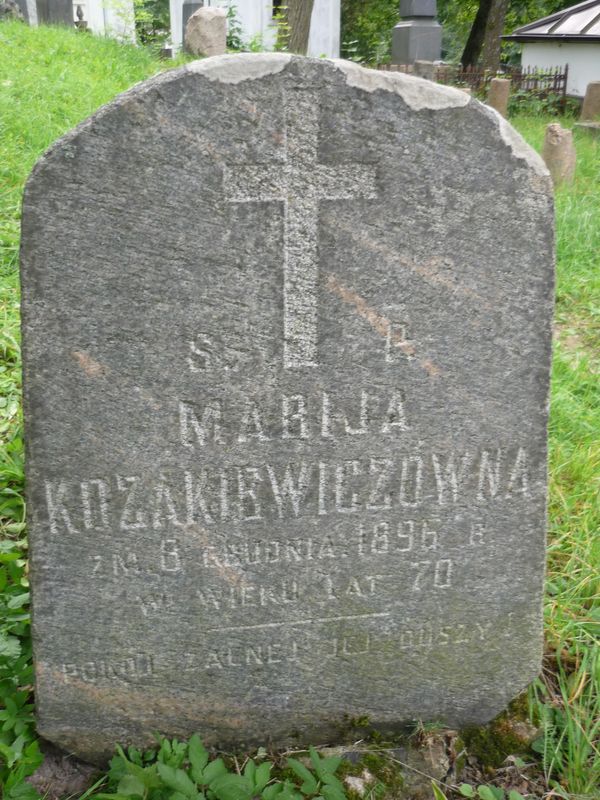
(50, 79)
(567, 699)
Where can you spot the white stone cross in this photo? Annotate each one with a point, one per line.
(299, 182)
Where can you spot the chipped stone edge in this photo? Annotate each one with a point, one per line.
(240, 66)
(418, 93)
(519, 147)
(231, 68)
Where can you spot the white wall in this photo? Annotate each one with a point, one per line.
(108, 17)
(256, 20)
(325, 22)
(583, 59)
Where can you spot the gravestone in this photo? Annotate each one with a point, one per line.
(559, 153)
(286, 421)
(419, 35)
(590, 109)
(187, 9)
(55, 12)
(499, 94)
(206, 32)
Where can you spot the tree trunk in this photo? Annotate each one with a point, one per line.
(493, 31)
(472, 50)
(294, 25)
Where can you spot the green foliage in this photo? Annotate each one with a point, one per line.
(367, 29)
(181, 771)
(152, 21)
(483, 792)
(457, 18)
(569, 746)
(280, 19)
(234, 29)
(493, 743)
(19, 754)
(50, 79)
(367, 26)
(568, 702)
(524, 102)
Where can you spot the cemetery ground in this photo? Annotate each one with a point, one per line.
(51, 79)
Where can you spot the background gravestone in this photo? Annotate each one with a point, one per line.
(206, 32)
(55, 12)
(286, 423)
(187, 9)
(419, 35)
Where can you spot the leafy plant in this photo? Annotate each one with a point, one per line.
(19, 754)
(527, 102)
(234, 29)
(152, 21)
(183, 771)
(482, 792)
(367, 29)
(321, 783)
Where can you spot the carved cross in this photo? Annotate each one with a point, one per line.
(299, 183)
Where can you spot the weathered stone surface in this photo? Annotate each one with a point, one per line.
(418, 36)
(55, 12)
(187, 9)
(206, 32)
(559, 153)
(592, 128)
(590, 110)
(9, 9)
(498, 95)
(425, 69)
(286, 346)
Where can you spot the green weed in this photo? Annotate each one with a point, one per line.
(184, 771)
(567, 698)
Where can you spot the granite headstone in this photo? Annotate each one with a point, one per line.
(206, 32)
(286, 421)
(419, 35)
(55, 12)
(187, 9)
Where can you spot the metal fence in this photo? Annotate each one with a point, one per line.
(537, 81)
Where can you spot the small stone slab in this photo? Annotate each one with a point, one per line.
(593, 128)
(287, 330)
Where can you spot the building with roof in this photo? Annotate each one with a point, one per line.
(570, 36)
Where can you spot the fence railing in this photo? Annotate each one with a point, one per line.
(532, 80)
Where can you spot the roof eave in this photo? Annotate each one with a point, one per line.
(550, 37)
(555, 17)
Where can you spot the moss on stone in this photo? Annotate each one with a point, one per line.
(492, 744)
(385, 771)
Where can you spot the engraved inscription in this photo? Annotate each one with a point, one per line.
(299, 183)
(130, 669)
(293, 416)
(251, 492)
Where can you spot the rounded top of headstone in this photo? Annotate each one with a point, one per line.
(287, 337)
(418, 8)
(208, 12)
(418, 94)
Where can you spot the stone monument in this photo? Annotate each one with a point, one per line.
(206, 32)
(187, 9)
(55, 12)
(559, 153)
(418, 36)
(499, 95)
(590, 109)
(286, 423)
